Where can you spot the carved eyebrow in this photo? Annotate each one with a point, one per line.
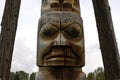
(53, 24)
(69, 24)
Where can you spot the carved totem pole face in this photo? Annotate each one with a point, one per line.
(60, 35)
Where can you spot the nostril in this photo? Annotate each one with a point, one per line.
(67, 43)
(54, 43)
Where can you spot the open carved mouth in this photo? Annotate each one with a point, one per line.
(61, 56)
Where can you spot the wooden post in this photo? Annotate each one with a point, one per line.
(60, 46)
(108, 44)
(8, 31)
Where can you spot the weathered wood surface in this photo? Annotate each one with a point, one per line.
(60, 46)
(8, 31)
(61, 40)
(60, 5)
(60, 73)
(108, 44)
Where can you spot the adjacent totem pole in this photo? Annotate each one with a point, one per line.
(60, 43)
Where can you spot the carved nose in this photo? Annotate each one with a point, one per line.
(60, 40)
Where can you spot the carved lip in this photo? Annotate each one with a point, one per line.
(60, 58)
(60, 55)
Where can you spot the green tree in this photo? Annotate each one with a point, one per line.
(21, 75)
(90, 76)
(16, 76)
(32, 76)
(99, 73)
(12, 76)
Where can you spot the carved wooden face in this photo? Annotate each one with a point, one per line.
(60, 5)
(60, 40)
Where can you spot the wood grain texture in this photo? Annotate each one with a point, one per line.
(60, 73)
(60, 42)
(8, 31)
(108, 44)
(60, 5)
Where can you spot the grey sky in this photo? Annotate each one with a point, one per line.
(24, 56)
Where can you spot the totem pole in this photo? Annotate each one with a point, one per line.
(60, 42)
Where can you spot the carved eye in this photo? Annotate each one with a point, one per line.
(48, 31)
(67, 5)
(73, 32)
(54, 5)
